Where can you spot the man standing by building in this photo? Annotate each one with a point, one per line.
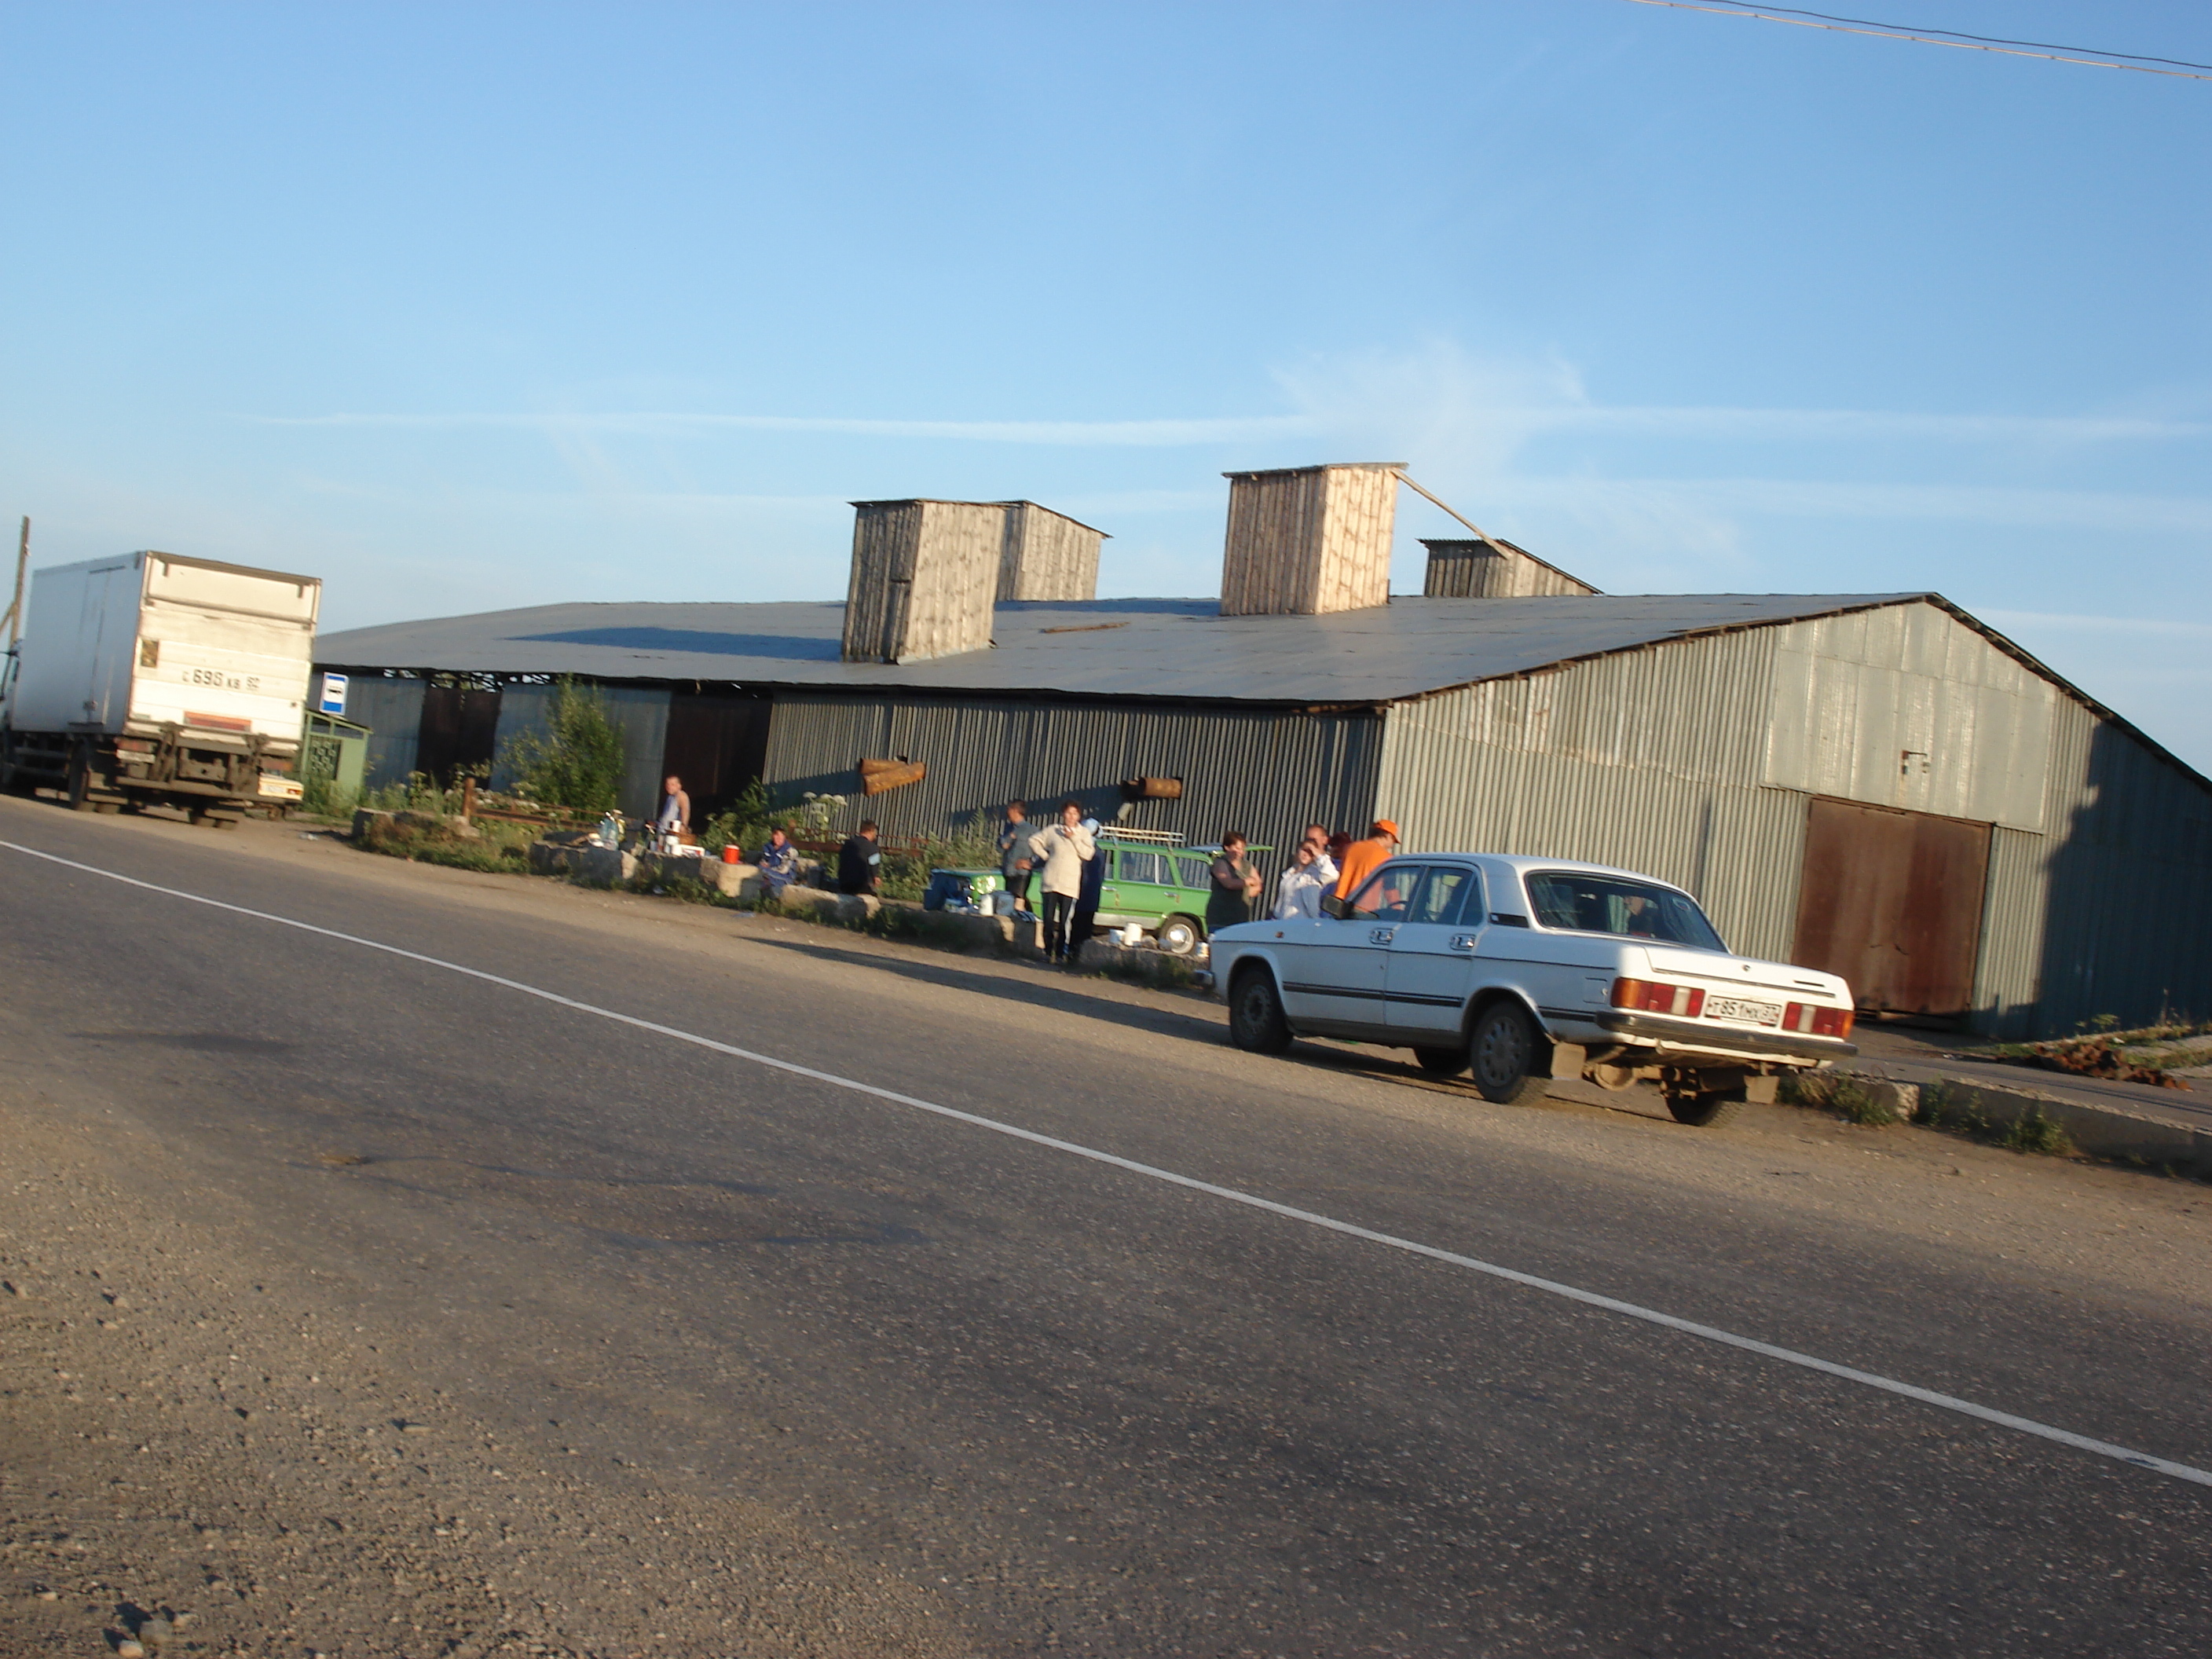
(861, 861)
(1014, 851)
(1362, 856)
(675, 815)
(1063, 849)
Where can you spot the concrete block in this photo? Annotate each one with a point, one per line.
(602, 867)
(858, 907)
(435, 823)
(798, 897)
(556, 854)
(740, 881)
(366, 819)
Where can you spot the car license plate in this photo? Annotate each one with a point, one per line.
(1747, 1013)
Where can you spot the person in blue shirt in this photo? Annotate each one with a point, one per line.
(779, 865)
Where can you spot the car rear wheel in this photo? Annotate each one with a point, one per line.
(1708, 1108)
(1256, 1022)
(1441, 1062)
(1178, 936)
(1506, 1048)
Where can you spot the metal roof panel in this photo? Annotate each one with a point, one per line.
(1181, 649)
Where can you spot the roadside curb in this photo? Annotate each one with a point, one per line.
(2147, 1134)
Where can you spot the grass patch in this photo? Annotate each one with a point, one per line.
(497, 849)
(1850, 1098)
(1946, 1107)
(1954, 1111)
(1156, 969)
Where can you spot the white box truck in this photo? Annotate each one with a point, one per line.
(155, 679)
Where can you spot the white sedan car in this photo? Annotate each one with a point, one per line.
(1528, 969)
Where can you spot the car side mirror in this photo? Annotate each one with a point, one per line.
(1335, 904)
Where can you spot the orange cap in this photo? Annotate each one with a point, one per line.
(1386, 828)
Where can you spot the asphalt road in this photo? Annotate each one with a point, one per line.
(1091, 1409)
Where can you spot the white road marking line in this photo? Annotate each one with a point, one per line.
(1252, 1200)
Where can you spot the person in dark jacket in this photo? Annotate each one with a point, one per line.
(861, 861)
(1086, 901)
(1234, 883)
(1014, 852)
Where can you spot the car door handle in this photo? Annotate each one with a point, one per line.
(1382, 935)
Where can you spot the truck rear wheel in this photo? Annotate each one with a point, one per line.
(1707, 1109)
(79, 787)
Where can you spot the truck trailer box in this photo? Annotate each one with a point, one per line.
(159, 680)
(133, 645)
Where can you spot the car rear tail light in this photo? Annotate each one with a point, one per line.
(1651, 997)
(1814, 1020)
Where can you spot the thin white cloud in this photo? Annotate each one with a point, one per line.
(1814, 498)
(1149, 434)
(1461, 426)
(2150, 627)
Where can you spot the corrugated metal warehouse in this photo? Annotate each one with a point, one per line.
(1878, 785)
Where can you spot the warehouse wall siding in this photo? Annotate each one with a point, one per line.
(2009, 978)
(2126, 931)
(1645, 760)
(1652, 759)
(1905, 705)
(640, 713)
(1261, 771)
(392, 711)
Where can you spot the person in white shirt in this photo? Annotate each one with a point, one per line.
(1324, 866)
(1297, 894)
(1061, 852)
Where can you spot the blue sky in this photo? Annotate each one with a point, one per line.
(462, 307)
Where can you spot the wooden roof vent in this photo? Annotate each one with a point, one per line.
(1492, 569)
(925, 577)
(1310, 540)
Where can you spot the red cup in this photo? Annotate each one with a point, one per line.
(729, 855)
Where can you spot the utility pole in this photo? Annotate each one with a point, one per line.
(16, 605)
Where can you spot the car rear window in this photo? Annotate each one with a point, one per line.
(1584, 903)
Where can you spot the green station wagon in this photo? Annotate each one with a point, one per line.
(1160, 886)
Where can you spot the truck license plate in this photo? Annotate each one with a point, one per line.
(1747, 1014)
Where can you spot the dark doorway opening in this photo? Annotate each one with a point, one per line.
(1891, 900)
(460, 727)
(717, 744)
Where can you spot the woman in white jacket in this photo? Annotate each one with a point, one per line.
(1061, 851)
(1298, 893)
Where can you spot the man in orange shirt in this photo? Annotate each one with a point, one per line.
(1362, 856)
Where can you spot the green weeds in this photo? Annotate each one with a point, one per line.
(1948, 1108)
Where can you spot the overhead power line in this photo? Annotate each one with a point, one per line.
(2181, 69)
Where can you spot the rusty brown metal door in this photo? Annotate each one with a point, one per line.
(1893, 902)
